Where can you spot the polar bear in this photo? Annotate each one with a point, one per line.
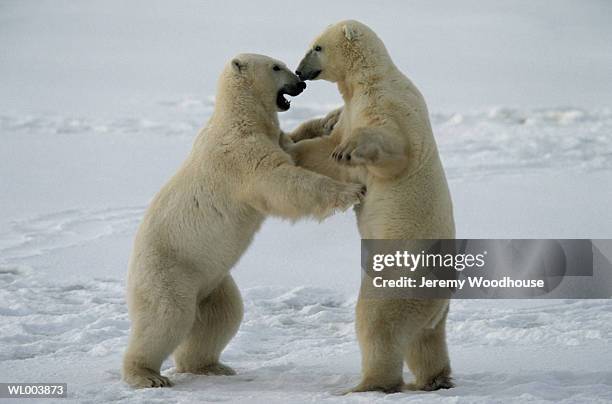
(181, 297)
(384, 140)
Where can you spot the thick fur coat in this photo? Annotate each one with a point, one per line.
(382, 138)
(181, 297)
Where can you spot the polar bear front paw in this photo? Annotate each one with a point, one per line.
(330, 120)
(349, 195)
(141, 378)
(357, 152)
(372, 147)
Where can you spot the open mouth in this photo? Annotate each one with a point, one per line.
(283, 103)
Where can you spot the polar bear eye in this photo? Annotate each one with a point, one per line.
(276, 68)
(318, 48)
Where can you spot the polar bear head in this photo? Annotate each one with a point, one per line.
(265, 79)
(340, 50)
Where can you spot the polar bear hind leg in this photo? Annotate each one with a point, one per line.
(381, 341)
(381, 359)
(427, 358)
(390, 331)
(157, 329)
(218, 318)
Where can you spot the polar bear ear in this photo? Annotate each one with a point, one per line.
(349, 32)
(238, 65)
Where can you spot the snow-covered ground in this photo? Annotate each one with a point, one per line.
(100, 102)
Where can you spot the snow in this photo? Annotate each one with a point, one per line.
(298, 345)
(101, 102)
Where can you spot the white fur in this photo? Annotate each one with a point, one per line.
(383, 139)
(181, 297)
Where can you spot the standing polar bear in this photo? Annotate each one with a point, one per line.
(384, 140)
(181, 297)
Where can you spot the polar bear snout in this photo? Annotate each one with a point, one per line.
(310, 67)
(291, 89)
(308, 74)
(294, 89)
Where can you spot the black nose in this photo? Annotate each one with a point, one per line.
(301, 85)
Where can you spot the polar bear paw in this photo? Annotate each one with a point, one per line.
(318, 127)
(330, 120)
(371, 146)
(348, 195)
(214, 369)
(357, 152)
(384, 388)
(141, 378)
(437, 383)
